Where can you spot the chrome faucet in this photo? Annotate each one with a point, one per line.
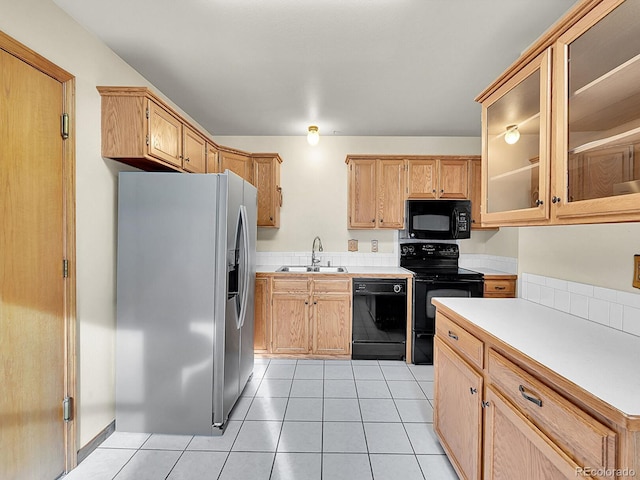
(315, 260)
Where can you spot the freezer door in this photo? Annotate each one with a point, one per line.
(249, 268)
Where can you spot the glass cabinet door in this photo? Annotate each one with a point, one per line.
(516, 147)
(598, 110)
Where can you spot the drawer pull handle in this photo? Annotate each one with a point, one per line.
(535, 400)
(499, 287)
(453, 335)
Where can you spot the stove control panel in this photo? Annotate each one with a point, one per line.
(437, 250)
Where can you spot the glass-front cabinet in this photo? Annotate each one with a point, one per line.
(597, 145)
(515, 120)
(561, 127)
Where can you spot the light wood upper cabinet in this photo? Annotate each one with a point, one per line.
(363, 193)
(453, 179)
(597, 66)
(475, 194)
(266, 176)
(509, 175)
(165, 135)
(376, 193)
(238, 162)
(212, 158)
(586, 169)
(422, 178)
(390, 182)
(195, 151)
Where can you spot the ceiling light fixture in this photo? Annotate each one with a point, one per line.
(512, 134)
(313, 137)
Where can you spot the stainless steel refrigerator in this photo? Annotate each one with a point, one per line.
(185, 288)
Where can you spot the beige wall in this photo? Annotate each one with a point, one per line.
(43, 27)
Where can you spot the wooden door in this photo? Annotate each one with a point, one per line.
(422, 178)
(37, 335)
(515, 448)
(362, 193)
(195, 151)
(458, 411)
(165, 135)
(331, 324)
(266, 176)
(390, 183)
(453, 179)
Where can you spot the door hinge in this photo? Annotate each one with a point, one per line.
(64, 126)
(147, 112)
(147, 139)
(67, 409)
(65, 268)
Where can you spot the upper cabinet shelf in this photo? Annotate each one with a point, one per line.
(575, 162)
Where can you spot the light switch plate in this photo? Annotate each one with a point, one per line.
(636, 271)
(353, 245)
(374, 245)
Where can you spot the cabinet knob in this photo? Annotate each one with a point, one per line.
(539, 202)
(442, 191)
(186, 159)
(473, 390)
(373, 220)
(555, 199)
(433, 191)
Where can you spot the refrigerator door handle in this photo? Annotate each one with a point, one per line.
(244, 266)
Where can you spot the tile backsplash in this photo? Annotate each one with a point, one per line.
(345, 259)
(613, 308)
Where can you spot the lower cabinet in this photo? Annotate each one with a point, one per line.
(497, 419)
(310, 315)
(262, 314)
(499, 286)
(458, 416)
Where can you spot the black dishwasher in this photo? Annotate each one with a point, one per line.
(379, 319)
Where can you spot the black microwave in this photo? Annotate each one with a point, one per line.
(439, 219)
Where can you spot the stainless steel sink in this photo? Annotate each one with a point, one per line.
(309, 269)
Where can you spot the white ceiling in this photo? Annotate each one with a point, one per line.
(352, 67)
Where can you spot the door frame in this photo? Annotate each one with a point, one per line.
(24, 53)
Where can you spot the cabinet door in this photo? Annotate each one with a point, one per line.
(458, 411)
(290, 323)
(509, 173)
(598, 111)
(453, 179)
(362, 193)
(422, 178)
(239, 164)
(165, 135)
(262, 308)
(212, 158)
(475, 194)
(195, 151)
(515, 448)
(331, 320)
(266, 175)
(390, 184)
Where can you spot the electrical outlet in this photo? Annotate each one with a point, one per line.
(374, 245)
(636, 271)
(353, 245)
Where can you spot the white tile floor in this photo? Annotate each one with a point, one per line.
(298, 420)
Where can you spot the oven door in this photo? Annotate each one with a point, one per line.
(424, 313)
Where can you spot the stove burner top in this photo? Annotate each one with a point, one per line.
(435, 261)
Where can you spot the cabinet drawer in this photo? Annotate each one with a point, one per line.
(587, 441)
(288, 284)
(499, 287)
(459, 339)
(330, 285)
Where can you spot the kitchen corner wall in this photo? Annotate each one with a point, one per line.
(43, 27)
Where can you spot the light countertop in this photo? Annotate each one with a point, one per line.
(489, 271)
(351, 270)
(599, 359)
